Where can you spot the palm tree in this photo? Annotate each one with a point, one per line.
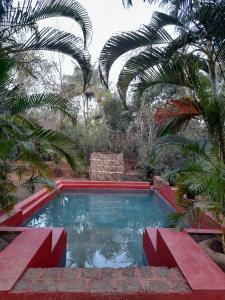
(194, 61)
(23, 19)
(199, 31)
(22, 138)
(200, 172)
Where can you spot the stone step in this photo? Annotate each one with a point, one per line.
(127, 280)
(106, 176)
(112, 156)
(101, 162)
(107, 168)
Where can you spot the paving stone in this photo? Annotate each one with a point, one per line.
(145, 272)
(181, 286)
(90, 273)
(128, 285)
(72, 286)
(101, 286)
(162, 272)
(157, 285)
(36, 273)
(128, 273)
(103, 280)
(176, 274)
(107, 273)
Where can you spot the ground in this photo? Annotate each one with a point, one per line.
(62, 170)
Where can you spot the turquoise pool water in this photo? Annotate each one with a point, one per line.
(104, 227)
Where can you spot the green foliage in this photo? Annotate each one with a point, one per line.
(21, 137)
(117, 118)
(17, 20)
(166, 60)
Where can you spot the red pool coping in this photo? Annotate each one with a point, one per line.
(163, 247)
(40, 247)
(167, 247)
(32, 247)
(169, 194)
(24, 209)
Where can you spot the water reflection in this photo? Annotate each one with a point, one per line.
(104, 229)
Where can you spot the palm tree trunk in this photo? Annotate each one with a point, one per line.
(212, 66)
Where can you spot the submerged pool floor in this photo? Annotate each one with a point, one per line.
(104, 227)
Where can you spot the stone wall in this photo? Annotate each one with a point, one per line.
(106, 167)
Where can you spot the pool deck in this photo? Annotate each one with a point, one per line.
(179, 269)
(89, 283)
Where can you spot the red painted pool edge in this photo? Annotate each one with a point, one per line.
(24, 209)
(169, 194)
(41, 247)
(157, 245)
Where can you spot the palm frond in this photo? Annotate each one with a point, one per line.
(54, 40)
(172, 74)
(176, 108)
(74, 159)
(126, 41)
(63, 8)
(198, 148)
(9, 129)
(52, 137)
(62, 144)
(175, 114)
(21, 103)
(35, 161)
(128, 3)
(173, 125)
(182, 70)
(211, 13)
(26, 16)
(25, 122)
(173, 6)
(6, 148)
(45, 182)
(6, 67)
(135, 65)
(160, 19)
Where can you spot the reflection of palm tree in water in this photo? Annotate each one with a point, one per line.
(108, 244)
(102, 231)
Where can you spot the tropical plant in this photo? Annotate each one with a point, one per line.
(21, 138)
(193, 60)
(199, 37)
(203, 173)
(15, 21)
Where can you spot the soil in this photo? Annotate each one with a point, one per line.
(59, 171)
(6, 238)
(213, 248)
(62, 170)
(217, 247)
(202, 237)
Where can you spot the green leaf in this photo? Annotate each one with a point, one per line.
(63, 8)
(54, 40)
(20, 103)
(126, 41)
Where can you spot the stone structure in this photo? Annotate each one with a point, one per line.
(106, 167)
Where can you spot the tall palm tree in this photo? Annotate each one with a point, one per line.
(192, 59)
(24, 19)
(199, 31)
(21, 138)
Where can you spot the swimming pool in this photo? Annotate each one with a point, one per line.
(104, 226)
